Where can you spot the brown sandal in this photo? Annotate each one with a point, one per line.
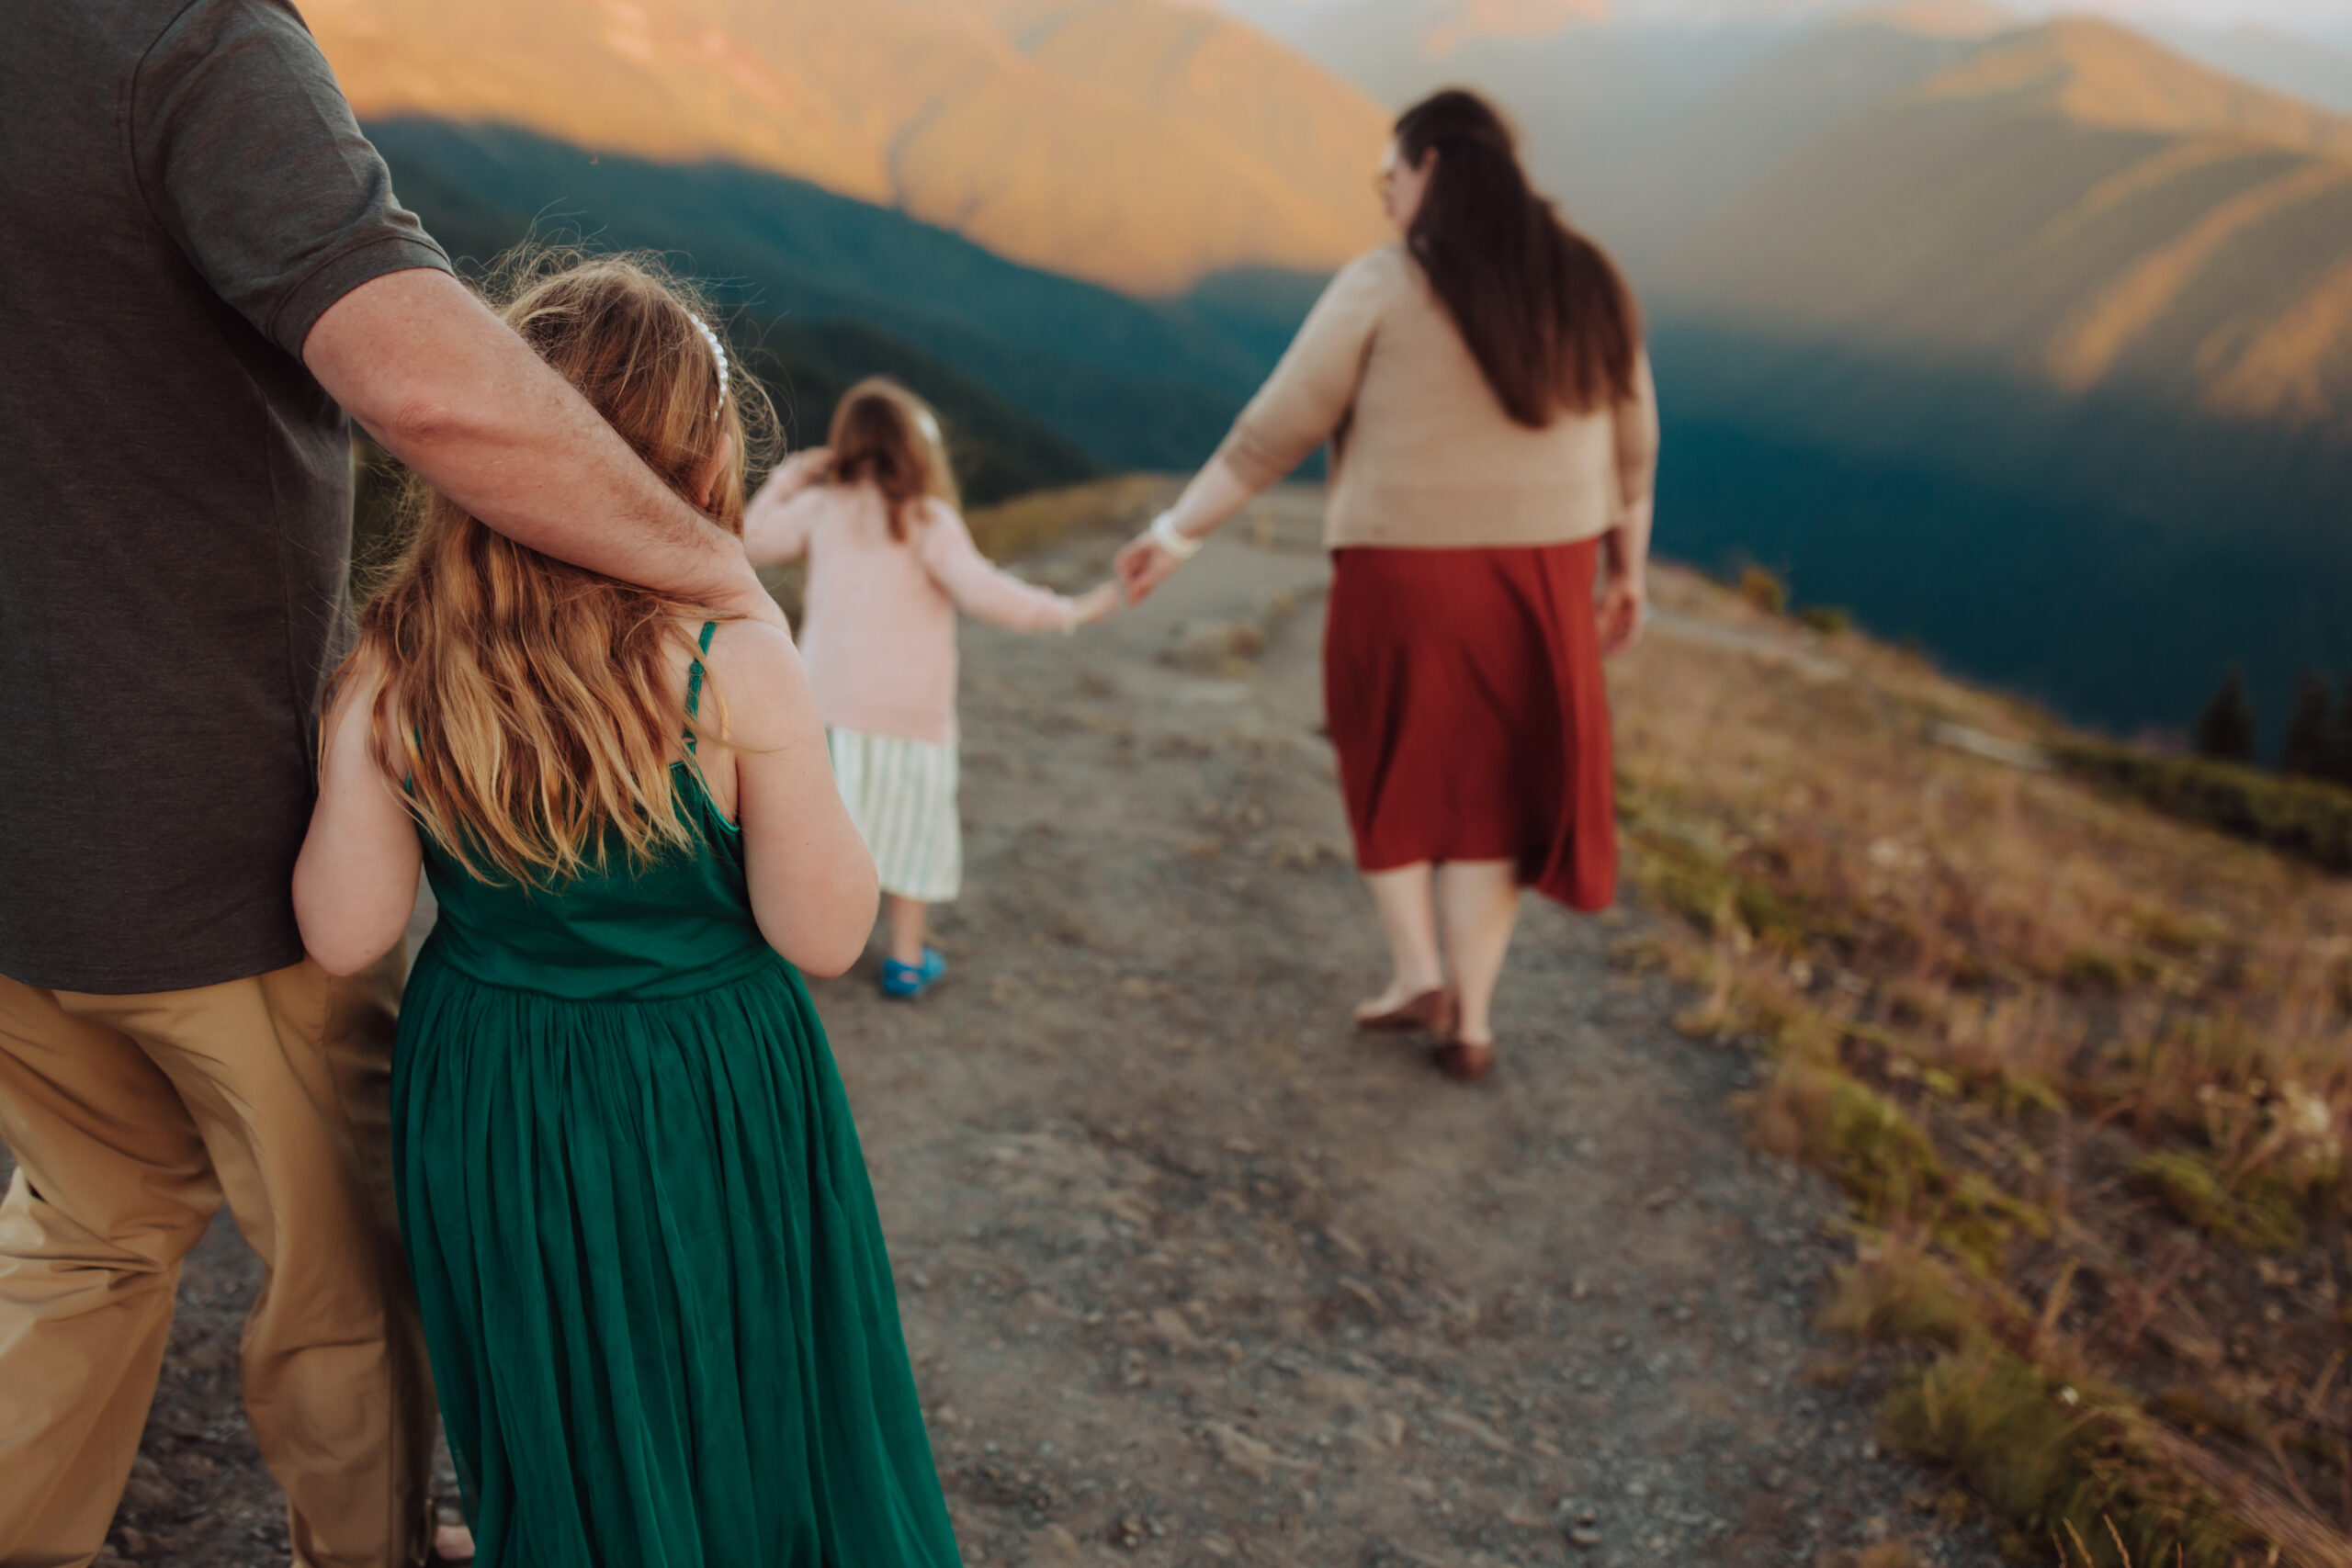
(1464, 1061)
(1430, 1012)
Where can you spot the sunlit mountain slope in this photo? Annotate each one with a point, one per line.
(2074, 202)
(1133, 143)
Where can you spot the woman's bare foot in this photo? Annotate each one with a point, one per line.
(452, 1543)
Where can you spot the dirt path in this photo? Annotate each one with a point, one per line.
(1192, 1273)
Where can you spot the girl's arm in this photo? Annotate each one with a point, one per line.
(987, 592)
(813, 891)
(355, 883)
(777, 519)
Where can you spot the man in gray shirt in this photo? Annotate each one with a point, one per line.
(207, 270)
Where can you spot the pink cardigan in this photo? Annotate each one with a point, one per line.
(878, 630)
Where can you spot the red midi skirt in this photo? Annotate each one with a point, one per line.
(1465, 700)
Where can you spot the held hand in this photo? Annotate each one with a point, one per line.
(1098, 601)
(1142, 566)
(1622, 609)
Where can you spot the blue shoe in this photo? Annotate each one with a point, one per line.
(905, 981)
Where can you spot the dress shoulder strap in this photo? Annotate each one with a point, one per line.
(694, 677)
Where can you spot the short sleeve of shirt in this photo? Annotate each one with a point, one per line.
(249, 157)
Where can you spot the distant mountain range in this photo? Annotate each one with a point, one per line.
(1043, 378)
(2073, 202)
(2034, 340)
(1137, 143)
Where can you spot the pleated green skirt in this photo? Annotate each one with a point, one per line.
(660, 1311)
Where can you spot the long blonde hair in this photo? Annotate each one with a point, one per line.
(532, 707)
(885, 436)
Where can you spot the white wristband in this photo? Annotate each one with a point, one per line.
(1164, 535)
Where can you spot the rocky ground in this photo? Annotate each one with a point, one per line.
(1194, 1274)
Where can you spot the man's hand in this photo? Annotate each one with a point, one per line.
(748, 598)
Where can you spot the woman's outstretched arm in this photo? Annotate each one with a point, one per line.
(1302, 404)
(1209, 502)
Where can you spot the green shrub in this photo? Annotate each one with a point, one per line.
(2088, 970)
(1695, 884)
(1837, 1122)
(1764, 591)
(2226, 728)
(2049, 1457)
(1903, 1296)
(2261, 1218)
(2302, 818)
(1827, 619)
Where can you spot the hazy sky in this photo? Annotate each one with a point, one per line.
(2330, 18)
(2332, 15)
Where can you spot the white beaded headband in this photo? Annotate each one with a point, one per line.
(718, 358)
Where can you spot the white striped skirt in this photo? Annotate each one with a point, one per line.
(901, 795)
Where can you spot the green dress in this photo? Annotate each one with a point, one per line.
(660, 1311)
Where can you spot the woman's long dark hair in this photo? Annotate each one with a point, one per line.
(1542, 308)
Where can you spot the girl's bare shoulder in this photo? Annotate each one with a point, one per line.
(751, 648)
(756, 673)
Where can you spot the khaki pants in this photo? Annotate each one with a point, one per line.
(130, 1117)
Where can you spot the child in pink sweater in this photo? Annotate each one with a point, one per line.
(891, 562)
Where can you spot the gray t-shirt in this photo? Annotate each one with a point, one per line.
(183, 193)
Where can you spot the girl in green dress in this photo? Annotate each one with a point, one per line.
(660, 1311)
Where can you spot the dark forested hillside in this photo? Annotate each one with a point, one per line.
(1050, 375)
(1147, 144)
(2107, 556)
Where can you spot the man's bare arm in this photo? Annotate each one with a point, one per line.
(425, 369)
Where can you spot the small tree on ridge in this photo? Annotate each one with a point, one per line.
(2225, 729)
(2338, 759)
(2308, 748)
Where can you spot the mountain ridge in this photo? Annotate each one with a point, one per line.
(1133, 143)
(1129, 383)
(2146, 223)
(2099, 73)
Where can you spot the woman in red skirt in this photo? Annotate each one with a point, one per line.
(1494, 438)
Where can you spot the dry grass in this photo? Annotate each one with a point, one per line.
(2086, 1071)
(1117, 506)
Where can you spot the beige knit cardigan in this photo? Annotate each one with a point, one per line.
(1423, 456)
